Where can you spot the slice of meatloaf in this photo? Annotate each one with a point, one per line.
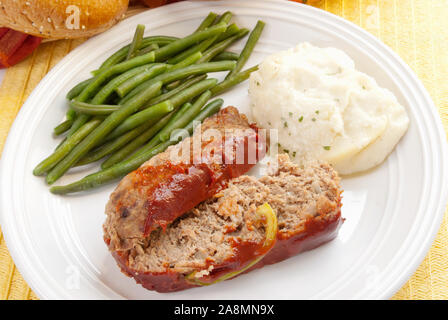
(207, 240)
(308, 204)
(175, 181)
(211, 240)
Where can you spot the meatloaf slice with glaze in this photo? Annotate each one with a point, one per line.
(208, 241)
(308, 204)
(175, 181)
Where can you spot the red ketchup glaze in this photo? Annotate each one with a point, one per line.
(316, 233)
(178, 188)
(161, 281)
(244, 252)
(167, 200)
(168, 281)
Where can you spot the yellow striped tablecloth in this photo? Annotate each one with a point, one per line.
(416, 29)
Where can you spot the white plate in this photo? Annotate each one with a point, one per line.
(392, 212)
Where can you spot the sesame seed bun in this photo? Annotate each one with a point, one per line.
(61, 19)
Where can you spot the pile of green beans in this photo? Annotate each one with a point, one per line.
(145, 97)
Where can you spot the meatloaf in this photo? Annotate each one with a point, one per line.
(175, 181)
(222, 235)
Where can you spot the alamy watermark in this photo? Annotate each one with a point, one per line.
(224, 146)
(74, 17)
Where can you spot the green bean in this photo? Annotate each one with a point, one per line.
(76, 90)
(177, 115)
(97, 135)
(61, 143)
(115, 172)
(136, 42)
(189, 114)
(225, 17)
(207, 22)
(203, 45)
(175, 101)
(193, 91)
(183, 64)
(92, 88)
(181, 44)
(121, 54)
(248, 48)
(180, 112)
(93, 109)
(221, 46)
(110, 87)
(63, 127)
(71, 114)
(72, 117)
(151, 114)
(147, 49)
(208, 110)
(213, 51)
(231, 31)
(144, 50)
(139, 78)
(232, 81)
(136, 143)
(66, 147)
(176, 90)
(160, 40)
(188, 61)
(78, 123)
(174, 85)
(226, 55)
(171, 76)
(115, 145)
(122, 168)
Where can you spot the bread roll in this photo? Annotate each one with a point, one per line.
(158, 3)
(61, 19)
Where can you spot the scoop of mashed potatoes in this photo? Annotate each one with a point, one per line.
(325, 109)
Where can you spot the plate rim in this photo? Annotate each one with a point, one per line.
(16, 251)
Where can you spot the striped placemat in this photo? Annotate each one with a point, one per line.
(415, 29)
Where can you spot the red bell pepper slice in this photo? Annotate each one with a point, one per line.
(9, 44)
(24, 50)
(15, 46)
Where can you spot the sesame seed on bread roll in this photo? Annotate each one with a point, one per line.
(61, 19)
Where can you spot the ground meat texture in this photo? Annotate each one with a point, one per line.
(207, 240)
(175, 181)
(307, 202)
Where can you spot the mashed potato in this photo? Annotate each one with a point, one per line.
(325, 109)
